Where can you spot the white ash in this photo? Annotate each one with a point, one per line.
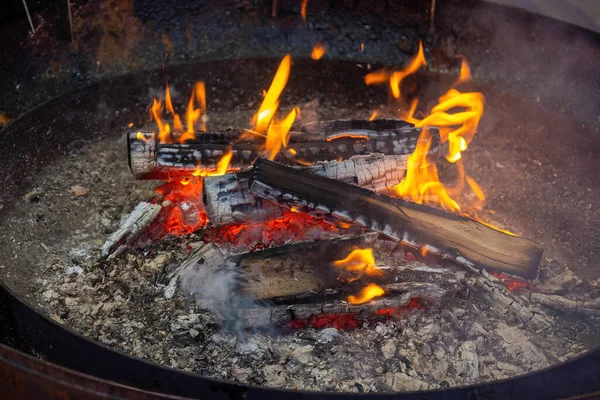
(123, 305)
(212, 281)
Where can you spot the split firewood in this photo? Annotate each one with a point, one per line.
(589, 307)
(397, 296)
(260, 288)
(227, 198)
(449, 236)
(315, 142)
(132, 229)
(305, 269)
(492, 291)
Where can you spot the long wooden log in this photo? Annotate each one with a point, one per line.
(227, 198)
(450, 236)
(314, 142)
(224, 284)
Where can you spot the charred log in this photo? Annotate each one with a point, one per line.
(450, 236)
(228, 200)
(315, 142)
(224, 284)
(397, 296)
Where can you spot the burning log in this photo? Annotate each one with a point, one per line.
(254, 289)
(314, 142)
(228, 200)
(279, 315)
(450, 236)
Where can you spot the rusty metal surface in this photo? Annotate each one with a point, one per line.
(27, 378)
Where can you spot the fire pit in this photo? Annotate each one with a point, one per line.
(356, 228)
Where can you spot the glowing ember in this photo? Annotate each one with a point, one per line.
(338, 321)
(318, 51)
(414, 303)
(291, 227)
(368, 293)
(183, 210)
(515, 284)
(358, 263)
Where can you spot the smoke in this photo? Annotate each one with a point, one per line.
(213, 282)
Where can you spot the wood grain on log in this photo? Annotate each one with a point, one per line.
(228, 200)
(450, 236)
(315, 142)
(397, 296)
(142, 216)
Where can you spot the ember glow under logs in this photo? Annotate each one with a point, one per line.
(351, 175)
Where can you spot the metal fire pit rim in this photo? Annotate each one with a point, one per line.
(39, 335)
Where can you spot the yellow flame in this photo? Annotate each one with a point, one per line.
(200, 90)
(369, 292)
(222, 166)
(395, 78)
(374, 115)
(192, 115)
(177, 125)
(463, 123)
(359, 262)
(398, 76)
(318, 51)
(164, 130)
(421, 183)
(277, 134)
(268, 108)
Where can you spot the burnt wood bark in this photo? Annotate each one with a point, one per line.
(450, 236)
(135, 229)
(227, 198)
(397, 296)
(314, 142)
(224, 284)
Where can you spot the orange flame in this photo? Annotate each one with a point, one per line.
(457, 115)
(200, 90)
(421, 183)
(318, 51)
(377, 77)
(360, 262)
(221, 167)
(266, 120)
(303, 9)
(369, 292)
(277, 135)
(268, 108)
(192, 115)
(464, 123)
(395, 78)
